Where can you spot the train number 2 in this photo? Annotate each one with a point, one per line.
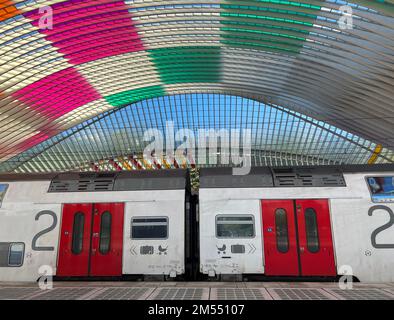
(46, 230)
(382, 228)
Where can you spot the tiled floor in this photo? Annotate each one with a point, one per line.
(197, 291)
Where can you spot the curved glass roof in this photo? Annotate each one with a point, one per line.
(115, 140)
(102, 55)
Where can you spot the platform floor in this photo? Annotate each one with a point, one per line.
(196, 291)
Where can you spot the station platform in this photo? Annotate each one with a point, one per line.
(196, 291)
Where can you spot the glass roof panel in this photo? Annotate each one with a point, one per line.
(115, 139)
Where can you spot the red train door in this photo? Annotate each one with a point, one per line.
(91, 240)
(74, 247)
(315, 238)
(280, 240)
(297, 238)
(107, 239)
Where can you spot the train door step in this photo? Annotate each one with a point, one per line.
(231, 277)
(154, 278)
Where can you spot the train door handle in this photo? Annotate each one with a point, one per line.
(95, 234)
(302, 249)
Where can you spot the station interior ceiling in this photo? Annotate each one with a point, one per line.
(81, 81)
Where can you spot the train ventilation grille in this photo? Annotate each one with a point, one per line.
(298, 179)
(336, 180)
(82, 183)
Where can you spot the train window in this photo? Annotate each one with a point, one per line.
(149, 228)
(105, 232)
(381, 188)
(312, 234)
(16, 254)
(78, 229)
(234, 226)
(3, 190)
(282, 237)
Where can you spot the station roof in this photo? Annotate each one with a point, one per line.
(103, 55)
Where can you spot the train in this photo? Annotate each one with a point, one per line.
(78, 225)
(298, 223)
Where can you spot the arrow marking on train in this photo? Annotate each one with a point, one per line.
(132, 250)
(252, 248)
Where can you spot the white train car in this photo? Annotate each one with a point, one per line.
(301, 222)
(92, 224)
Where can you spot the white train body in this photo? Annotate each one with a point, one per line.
(303, 222)
(362, 231)
(31, 220)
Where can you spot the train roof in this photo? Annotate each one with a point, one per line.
(108, 181)
(307, 176)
